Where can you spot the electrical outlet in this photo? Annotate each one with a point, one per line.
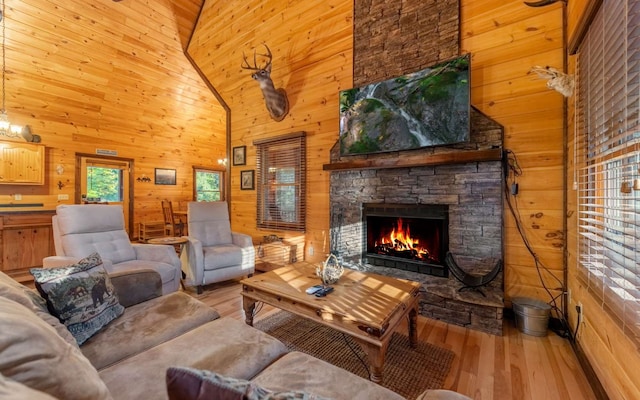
(569, 296)
(580, 310)
(63, 197)
(17, 196)
(310, 251)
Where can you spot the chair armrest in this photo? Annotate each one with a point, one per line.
(241, 239)
(159, 253)
(65, 261)
(134, 287)
(194, 261)
(248, 251)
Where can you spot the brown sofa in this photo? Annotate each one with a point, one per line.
(129, 358)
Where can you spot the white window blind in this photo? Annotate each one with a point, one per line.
(608, 152)
(281, 182)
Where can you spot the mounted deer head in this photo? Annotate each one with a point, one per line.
(275, 99)
(557, 80)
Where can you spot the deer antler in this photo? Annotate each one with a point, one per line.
(245, 63)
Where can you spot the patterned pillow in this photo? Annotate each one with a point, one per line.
(194, 384)
(80, 295)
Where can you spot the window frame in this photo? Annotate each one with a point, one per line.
(274, 156)
(213, 170)
(608, 162)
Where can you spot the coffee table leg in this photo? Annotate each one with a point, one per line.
(413, 327)
(249, 306)
(376, 355)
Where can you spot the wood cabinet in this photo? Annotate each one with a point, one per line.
(25, 239)
(21, 163)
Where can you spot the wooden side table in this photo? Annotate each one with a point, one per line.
(175, 241)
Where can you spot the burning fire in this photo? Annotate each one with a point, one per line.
(400, 241)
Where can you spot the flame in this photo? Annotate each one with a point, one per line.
(400, 239)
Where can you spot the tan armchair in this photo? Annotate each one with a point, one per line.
(214, 253)
(79, 230)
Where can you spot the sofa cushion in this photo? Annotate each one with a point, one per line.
(221, 256)
(299, 371)
(12, 390)
(33, 354)
(226, 346)
(80, 295)
(194, 384)
(31, 299)
(166, 271)
(114, 245)
(146, 325)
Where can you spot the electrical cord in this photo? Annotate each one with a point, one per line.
(355, 352)
(257, 308)
(513, 168)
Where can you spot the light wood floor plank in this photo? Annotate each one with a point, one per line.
(485, 367)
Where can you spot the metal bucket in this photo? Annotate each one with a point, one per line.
(532, 315)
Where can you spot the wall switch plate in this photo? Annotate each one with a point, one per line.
(17, 197)
(63, 197)
(310, 251)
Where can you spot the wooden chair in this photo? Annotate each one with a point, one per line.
(172, 226)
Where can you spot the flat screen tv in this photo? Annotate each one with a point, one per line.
(426, 108)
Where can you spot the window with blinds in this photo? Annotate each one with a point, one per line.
(608, 161)
(281, 182)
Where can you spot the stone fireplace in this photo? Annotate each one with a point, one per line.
(461, 197)
(466, 180)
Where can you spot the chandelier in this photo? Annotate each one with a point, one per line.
(6, 128)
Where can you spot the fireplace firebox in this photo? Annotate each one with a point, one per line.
(411, 237)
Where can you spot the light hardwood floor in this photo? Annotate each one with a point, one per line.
(514, 366)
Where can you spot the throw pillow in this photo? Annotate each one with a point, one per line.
(80, 295)
(192, 384)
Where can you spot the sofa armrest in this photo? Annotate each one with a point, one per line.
(136, 286)
(241, 239)
(154, 252)
(65, 261)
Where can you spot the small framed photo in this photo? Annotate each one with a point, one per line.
(165, 176)
(247, 180)
(240, 155)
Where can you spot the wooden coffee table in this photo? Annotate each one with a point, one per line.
(368, 307)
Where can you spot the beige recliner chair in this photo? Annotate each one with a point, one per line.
(214, 253)
(79, 230)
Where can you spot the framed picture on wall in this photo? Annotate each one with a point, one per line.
(240, 155)
(247, 180)
(165, 176)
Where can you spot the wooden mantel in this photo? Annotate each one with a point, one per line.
(454, 157)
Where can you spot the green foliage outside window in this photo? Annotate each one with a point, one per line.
(104, 183)
(208, 185)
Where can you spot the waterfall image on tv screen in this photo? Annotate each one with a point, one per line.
(426, 108)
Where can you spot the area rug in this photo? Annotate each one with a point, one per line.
(407, 371)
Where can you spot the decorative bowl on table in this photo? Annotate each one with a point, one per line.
(330, 271)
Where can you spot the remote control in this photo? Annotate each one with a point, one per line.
(323, 292)
(314, 289)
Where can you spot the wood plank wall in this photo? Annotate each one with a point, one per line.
(506, 39)
(614, 358)
(106, 74)
(110, 75)
(312, 60)
(311, 43)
